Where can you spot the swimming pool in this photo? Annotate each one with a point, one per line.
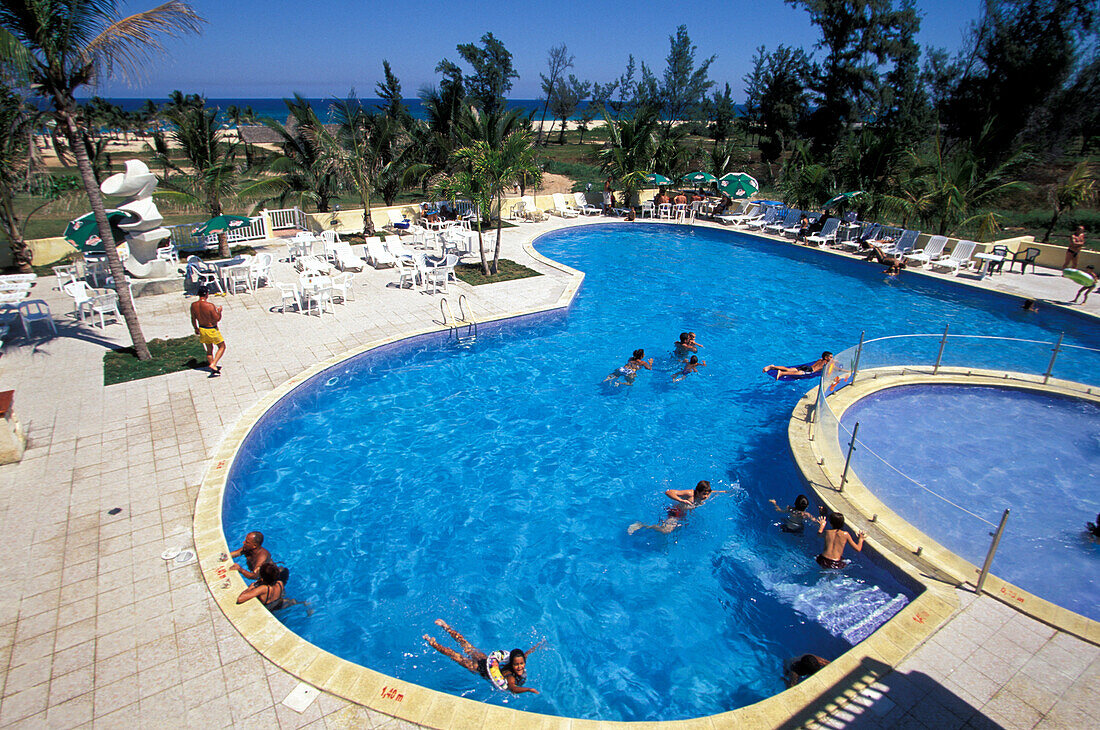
(492, 486)
(1036, 454)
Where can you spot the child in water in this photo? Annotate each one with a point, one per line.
(690, 366)
(686, 499)
(629, 371)
(796, 515)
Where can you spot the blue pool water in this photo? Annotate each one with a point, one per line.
(492, 486)
(1036, 455)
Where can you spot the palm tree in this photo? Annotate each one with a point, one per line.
(1078, 189)
(465, 184)
(300, 166)
(17, 157)
(62, 45)
(629, 154)
(212, 173)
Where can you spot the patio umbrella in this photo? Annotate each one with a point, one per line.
(843, 198)
(699, 178)
(654, 178)
(83, 234)
(738, 184)
(221, 224)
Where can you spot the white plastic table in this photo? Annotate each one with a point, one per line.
(987, 260)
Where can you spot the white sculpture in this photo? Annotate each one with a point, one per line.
(143, 237)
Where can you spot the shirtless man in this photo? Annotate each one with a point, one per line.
(686, 499)
(204, 318)
(254, 554)
(836, 539)
(812, 368)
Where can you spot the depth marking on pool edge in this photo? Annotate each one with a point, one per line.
(1012, 594)
(391, 693)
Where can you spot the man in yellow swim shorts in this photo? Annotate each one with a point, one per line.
(204, 318)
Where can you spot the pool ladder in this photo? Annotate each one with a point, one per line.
(464, 320)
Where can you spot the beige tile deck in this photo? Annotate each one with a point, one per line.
(96, 630)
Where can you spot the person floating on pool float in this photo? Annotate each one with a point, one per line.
(836, 539)
(1087, 288)
(796, 515)
(684, 346)
(629, 371)
(779, 371)
(690, 366)
(504, 671)
(686, 500)
(807, 665)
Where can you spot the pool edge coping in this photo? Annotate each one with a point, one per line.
(818, 695)
(821, 461)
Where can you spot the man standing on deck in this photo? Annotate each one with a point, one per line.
(204, 318)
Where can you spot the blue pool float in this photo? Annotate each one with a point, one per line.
(800, 376)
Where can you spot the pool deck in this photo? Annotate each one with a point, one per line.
(88, 640)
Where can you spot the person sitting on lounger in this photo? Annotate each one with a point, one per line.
(814, 367)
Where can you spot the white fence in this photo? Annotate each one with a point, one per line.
(184, 241)
(287, 218)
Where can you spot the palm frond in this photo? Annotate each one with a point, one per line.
(125, 44)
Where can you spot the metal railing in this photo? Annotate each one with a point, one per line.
(1033, 361)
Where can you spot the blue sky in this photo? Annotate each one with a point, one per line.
(272, 48)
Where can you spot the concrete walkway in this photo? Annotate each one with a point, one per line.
(97, 630)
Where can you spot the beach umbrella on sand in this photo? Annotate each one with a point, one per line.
(221, 224)
(699, 178)
(654, 178)
(843, 198)
(83, 234)
(738, 184)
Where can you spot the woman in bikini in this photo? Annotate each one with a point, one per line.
(1076, 243)
(629, 371)
(514, 672)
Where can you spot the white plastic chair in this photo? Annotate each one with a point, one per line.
(341, 286)
(664, 210)
(406, 272)
(105, 304)
(317, 294)
(260, 269)
(64, 275)
(35, 310)
(81, 295)
(288, 292)
(168, 253)
(648, 209)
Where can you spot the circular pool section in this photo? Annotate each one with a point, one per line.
(987, 449)
(492, 485)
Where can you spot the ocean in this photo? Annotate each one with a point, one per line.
(276, 109)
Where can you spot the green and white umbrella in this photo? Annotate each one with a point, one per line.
(83, 233)
(221, 224)
(699, 178)
(655, 178)
(738, 184)
(843, 198)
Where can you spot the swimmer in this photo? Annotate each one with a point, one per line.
(513, 672)
(684, 346)
(270, 589)
(690, 366)
(1094, 527)
(795, 670)
(814, 367)
(836, 539)
(1030, 305)
(693, 341)
(629, 371)
(796, 515)
(686, 499)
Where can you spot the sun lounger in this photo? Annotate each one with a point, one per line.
(826, 234)
(584, 206)
(562, 208)
(932, 251)
(959, 258)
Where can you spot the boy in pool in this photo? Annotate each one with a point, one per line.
(629, 371)
(796, 515)
(690, 366)
(836, 539)
(686, 499)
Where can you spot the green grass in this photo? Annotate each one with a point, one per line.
(169, 356)
(506, 271)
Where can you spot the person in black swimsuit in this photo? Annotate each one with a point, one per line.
(477, 661)
(269, 588)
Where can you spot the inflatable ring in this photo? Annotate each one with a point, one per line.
(1078, 277)
(493, 663)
